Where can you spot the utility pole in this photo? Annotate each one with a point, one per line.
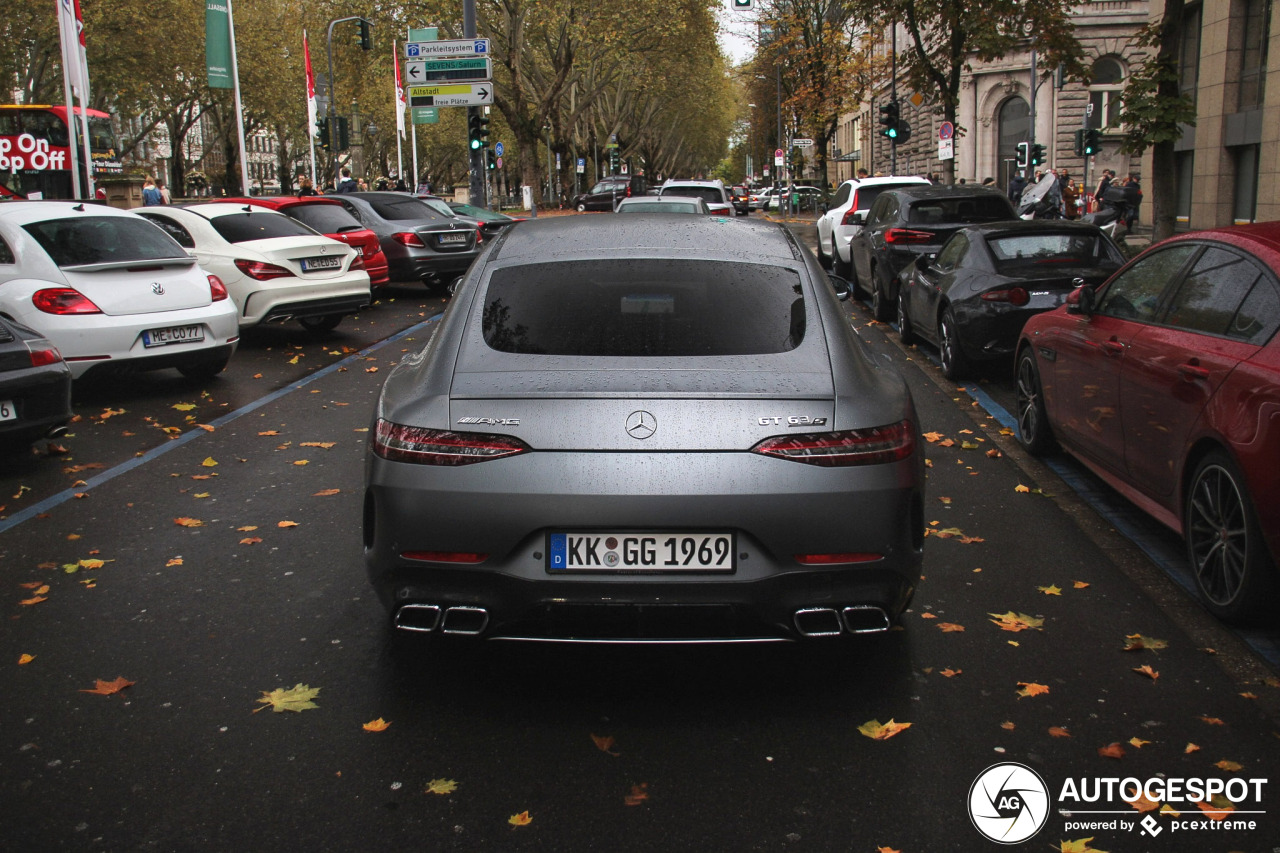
(893, 91)
(333, 89)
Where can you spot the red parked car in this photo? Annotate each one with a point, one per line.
(1165, 382)
(331, 219)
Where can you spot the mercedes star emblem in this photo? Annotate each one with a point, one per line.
(641, 425)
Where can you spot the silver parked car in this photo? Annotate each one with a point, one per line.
(650, 428)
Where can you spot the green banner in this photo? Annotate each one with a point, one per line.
(217, 44)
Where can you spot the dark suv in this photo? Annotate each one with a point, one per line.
(908, 222)
(605, 194)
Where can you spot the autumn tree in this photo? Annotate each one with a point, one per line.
(944, 36)
(1154, 112)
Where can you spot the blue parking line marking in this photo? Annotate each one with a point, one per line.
(154, 453)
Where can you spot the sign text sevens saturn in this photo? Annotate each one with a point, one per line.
(641, 425)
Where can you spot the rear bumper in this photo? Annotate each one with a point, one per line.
(432, 267)
(41, 399)
(508, 512)
(300, 298)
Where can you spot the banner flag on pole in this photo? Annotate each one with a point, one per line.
(311, 87)
(401, 103)
(217, 44)
(71, 79)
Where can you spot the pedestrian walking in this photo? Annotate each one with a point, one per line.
(165, 197)
(150, 194)
(347, 184)
(1069, 195)
(1016, 184)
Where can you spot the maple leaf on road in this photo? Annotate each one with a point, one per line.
(877, 730)
(441, 786)
(1143, 804)
(1137, 642)
(1031, 689)
(184, 521)
(378, 725)
(522, 819)
(1111, 750)
(106, 688)
(1147, 671)
(639, 793)
(1015, 621)
(1080, 845)
(605, 744)
(297, 699)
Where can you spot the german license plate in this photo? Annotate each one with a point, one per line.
(7, 411)
(452, 238)
(172, 335)
(674, 551)
(312, 264)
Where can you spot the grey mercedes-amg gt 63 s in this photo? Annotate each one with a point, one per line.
(645, 428)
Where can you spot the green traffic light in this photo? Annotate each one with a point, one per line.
(892, 133)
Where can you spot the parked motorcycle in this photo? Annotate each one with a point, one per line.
(1042, 200)
(1118, 205)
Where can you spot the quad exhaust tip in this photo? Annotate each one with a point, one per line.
(425, 618)
(828, 622)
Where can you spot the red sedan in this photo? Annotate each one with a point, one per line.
(331, 219)
(1165, 382)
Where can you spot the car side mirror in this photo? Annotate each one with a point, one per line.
(1080, 300)
(842, 286)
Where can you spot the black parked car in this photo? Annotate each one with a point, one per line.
(419, 242)
(908, 222)
(35, 387)
(607, 191)
(973, 297)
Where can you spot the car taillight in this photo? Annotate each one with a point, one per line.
(369, 249)
(261, 271)
(1013, 295)
(217, 288)
(44, 355)
(357, 263)
(409, 238)
(906, 235)
(845, 448)
(401, 443)
(847, 219)
(479, 235)
(63, 300)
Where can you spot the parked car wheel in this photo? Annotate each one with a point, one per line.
(203, 371)
(1033, 420)
(954, 363)
(1233, 570)
(905, 333)
(582, 208)
(323, 323)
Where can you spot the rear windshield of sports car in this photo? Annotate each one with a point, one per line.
(1073, 250)
(645, 308)
(989, 208)
(325, 218)
(407, 210)
(102, 239)
(258, 225)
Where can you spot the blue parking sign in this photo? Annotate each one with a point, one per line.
(498, 149)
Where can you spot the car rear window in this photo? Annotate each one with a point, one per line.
(669, 205)
(325, 218)
(710, 195)
(258, 225)
(962, 210)
(102, 239)
(646, 308)
(408, 209)
(1076, 250)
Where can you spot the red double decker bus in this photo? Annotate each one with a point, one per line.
(35, 150)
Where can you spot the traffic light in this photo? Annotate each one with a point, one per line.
(615, 161)
(323, 126)
(477, 130)
(1024, 155)
(339, 133)
(889, 117)
(1037, 154)
(742, 4)
(1079, 142)
(1092, 141)
(903, 132)
(490, 159)
(366, 37)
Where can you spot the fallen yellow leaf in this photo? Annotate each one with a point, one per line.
(26, 659)
(378, 725)
(604, 744)
(188, 522)
(1143, 804)
(638, 795)
(1052, 589)
(1147, 671)
(441, 786)
(210, 462)
(1059, 731)
(1229, 766)
(876, 730)
(949, 627)
(286, 524)
(522, 819)
(1111, 750)
(1030, 688)
(106, 688)
(324, 493)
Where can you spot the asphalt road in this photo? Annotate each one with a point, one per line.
(708, 749)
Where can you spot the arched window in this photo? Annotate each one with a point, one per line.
(1105, 87)
(1014, 125)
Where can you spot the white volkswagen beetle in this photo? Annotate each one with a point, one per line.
(111, 290)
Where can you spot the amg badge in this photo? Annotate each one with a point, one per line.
(491, 421)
